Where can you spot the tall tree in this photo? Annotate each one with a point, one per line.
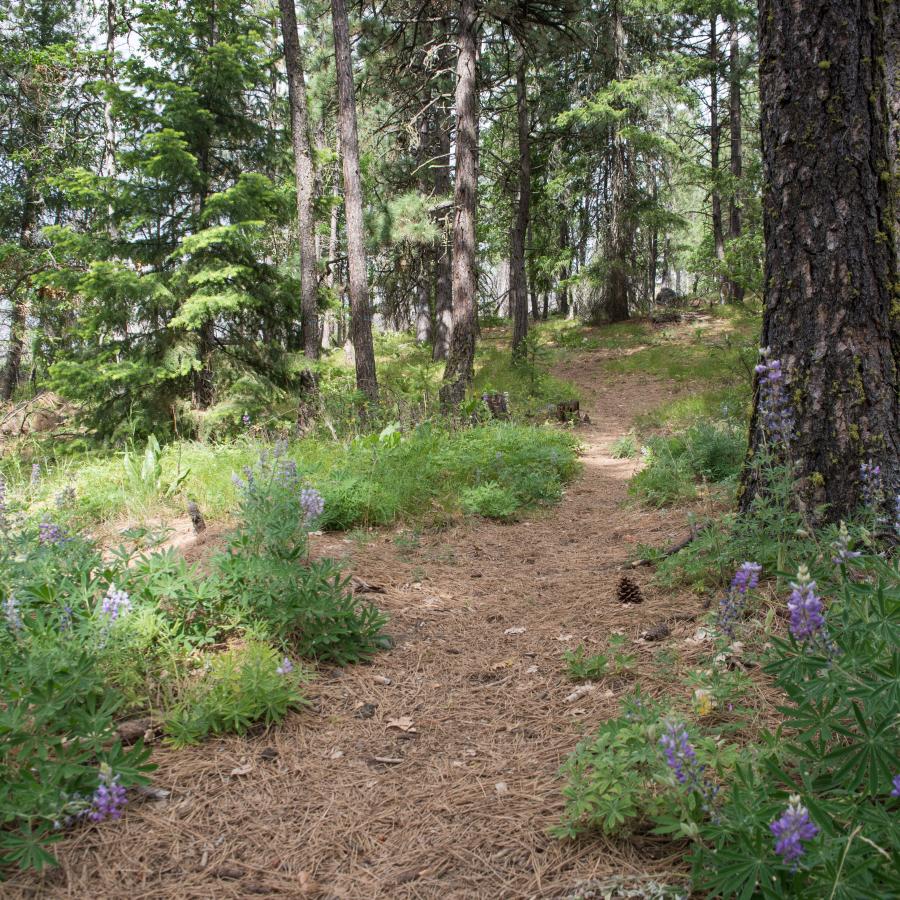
(304, 175)
(715, 141)
(617, 287)
(360, 310)
(518, 281)
(831, 267)
(459, 371)
(735, 290)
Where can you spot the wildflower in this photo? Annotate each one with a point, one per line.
(35, 474)
(4, 522)
(841, 547)
(116, 603)
(287, 471)
(109, 798)
(807, 618)
(895, 790)
(897, 515)
(791, 830)
(65, 622)
(50, 533)
(311, 503)
(12, 614)
(245, 418)
(682, 760)
(777, 418)
(872, 486)
(731, 607)
(704, 702)
(286, 667)
(279, 449)
(65, 497)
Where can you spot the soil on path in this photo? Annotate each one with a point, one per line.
(433, 772)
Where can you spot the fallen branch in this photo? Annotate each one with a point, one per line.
(667, 553)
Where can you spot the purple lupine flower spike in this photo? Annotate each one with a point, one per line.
(109, 800)
(286, 667)
(842, 552)
(807, 617)
(776, 417)
(791, 830)
(732, 605)
(116, 603)
(312, 504)
(895, 790)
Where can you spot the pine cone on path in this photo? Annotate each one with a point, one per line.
(628, 591)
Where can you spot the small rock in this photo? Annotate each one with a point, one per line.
(366, 711)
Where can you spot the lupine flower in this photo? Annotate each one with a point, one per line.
(680, 755)
(65, 622)
(35, 474)
(287, 471)
(872, 486)
(777, 418)
(280, 448)
(791, 830)
(807, 618)
(109, 799)
(286, 667)
(116, 603)
(732, 605)
(311, 503)
(4, 522)
(841, 547)
(65, 497)
(245, 418)
(50, 533)
(897, 515)
(12, 615)
(682, 760)
(895, 790)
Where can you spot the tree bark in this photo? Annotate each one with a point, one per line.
(831, 266)
(360, 311)
(715, 141)
(735, 291)
(459, 371)
(563, 295)
(518, 280)
(427, 259)
(12, 367)
(617, 288)
(892, 76)
(443, 290)
(305, 177)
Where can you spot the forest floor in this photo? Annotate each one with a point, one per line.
(434, 771)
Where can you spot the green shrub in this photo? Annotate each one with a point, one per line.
(242, 687)
(581, 667)
(56, 734)
(491, 500)
(625, 447)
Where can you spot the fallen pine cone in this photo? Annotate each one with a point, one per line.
(657, 633)
(628, 591)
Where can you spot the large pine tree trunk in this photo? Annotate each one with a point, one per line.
(360, 311)
(443, 287)
(617, 287)
(518, 281)
(427, 260)
(9, 377)
(459, 371)
(715, 141)
(305, 176)
(735, 291)
(563, 294)
(830, 248)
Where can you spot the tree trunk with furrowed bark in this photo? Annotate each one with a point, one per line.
(831, 264)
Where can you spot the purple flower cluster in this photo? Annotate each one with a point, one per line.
(777, 418)
(12, 614)
(312, 504)
(116, 603)
(35, 474)
(897, 515)
(682, 760)
(841, 546)
(791, 830)
(872, 484)
(680, 755)
(109, 799)
(806, 609)
(286, 667)
(50, 533)
(731, 607)
(245, 418)
(895, 789)
(4, 522)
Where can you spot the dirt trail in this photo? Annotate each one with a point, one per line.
(349, 807)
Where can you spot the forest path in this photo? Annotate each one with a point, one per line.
(341, 802)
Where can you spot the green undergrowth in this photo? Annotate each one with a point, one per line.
(89, 637)
(427, 472)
